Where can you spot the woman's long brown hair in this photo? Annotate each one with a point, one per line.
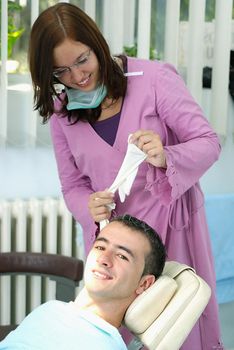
(53, 25)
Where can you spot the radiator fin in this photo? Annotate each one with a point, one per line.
(36, 225)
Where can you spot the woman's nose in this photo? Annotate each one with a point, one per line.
(76, 74)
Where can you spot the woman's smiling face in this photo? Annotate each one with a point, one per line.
(76, 65)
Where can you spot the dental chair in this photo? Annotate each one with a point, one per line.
(163, 316)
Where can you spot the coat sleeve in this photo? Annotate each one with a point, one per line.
(191, 145)
(76, 188)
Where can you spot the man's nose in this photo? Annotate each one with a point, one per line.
(105, 259)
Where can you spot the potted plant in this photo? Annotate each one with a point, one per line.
(14, 33)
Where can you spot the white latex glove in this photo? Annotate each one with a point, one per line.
(126, 175)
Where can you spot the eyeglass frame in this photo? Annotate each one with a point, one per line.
(67, 69)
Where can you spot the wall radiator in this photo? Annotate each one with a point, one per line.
(35, 225)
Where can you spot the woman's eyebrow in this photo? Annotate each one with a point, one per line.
(77, 58)
(82, 54)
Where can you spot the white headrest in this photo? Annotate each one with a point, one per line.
(164, 314)
(151, 303)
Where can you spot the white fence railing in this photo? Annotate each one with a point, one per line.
(125, 23)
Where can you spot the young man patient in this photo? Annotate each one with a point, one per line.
(126, 258)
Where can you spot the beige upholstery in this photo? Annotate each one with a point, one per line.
(163, 315)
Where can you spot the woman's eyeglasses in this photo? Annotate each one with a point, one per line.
(64, 72)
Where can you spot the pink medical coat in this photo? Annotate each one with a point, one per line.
(169, 200)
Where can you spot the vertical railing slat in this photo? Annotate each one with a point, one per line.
(129, 22)
(220, 76)
(66, 229)
(5, 246)
(35, 212)
(20, 211)
(106, 20)
(114, 25)
(50, 211)
(172, 31)
(34, 10)
(32, 123)
(4, 80)
(195, 48)
(143, 32)
(90, 8)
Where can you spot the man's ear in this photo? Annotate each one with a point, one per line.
(145, 282)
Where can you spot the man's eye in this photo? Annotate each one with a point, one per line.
(99, 247)
(121, 256)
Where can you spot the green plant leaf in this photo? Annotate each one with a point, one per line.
(12, 38)
(14, 33)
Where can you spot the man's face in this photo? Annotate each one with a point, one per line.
(115, 264)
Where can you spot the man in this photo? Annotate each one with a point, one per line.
(126, 258)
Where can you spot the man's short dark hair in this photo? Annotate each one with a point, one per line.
(155, 260)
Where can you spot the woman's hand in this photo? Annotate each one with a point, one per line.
(97, 205)
(150, 143)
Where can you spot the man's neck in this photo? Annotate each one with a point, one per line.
(107, 310)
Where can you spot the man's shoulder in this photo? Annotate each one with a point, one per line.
(50, 310)
(50, 306)
(58, 325)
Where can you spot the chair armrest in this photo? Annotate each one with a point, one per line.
(41, 263)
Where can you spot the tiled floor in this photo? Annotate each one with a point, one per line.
(226, 312)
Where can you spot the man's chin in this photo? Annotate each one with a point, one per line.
(99, 292)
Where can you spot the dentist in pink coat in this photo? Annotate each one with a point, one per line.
(105, 99)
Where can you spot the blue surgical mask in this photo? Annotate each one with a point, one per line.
(78, 99)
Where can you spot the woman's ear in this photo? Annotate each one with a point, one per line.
(145, 282)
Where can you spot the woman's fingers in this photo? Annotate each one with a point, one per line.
(150, 143)
(102, 216)
(98, 199)
(98, 205)
(140, 137)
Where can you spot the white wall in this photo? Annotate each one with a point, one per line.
(219, 179)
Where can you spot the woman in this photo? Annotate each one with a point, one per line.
(104, 100)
